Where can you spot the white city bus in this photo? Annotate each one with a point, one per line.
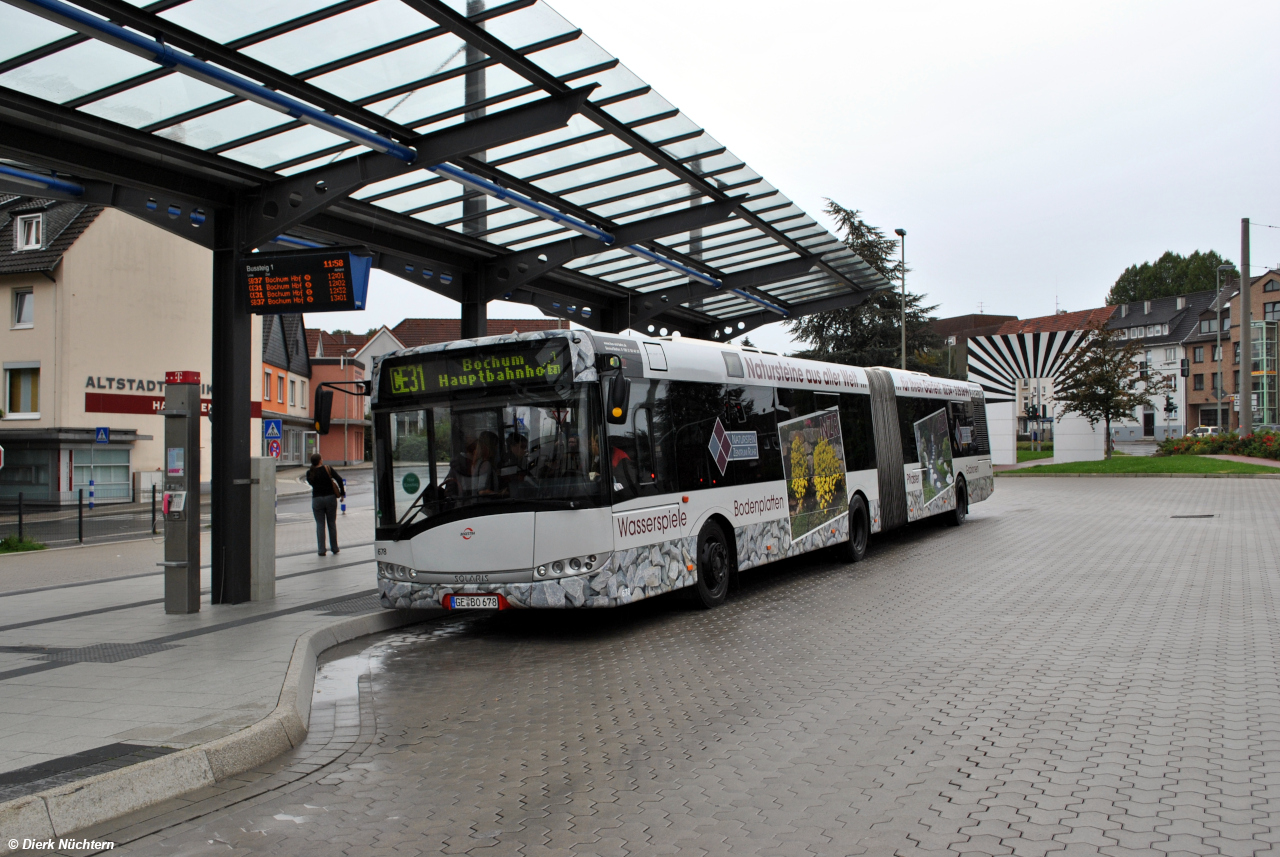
(577, 469)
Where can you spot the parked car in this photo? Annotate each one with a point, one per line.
(1204, 431)
(1274, 428)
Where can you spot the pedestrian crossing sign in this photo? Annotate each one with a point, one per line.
(271, 429)
(102, 435)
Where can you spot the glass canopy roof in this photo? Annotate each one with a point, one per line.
(404, 68)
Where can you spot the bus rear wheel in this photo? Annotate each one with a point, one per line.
(715, 566)
(956, 516)
(855, 548)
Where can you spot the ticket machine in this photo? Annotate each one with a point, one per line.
(181, 499)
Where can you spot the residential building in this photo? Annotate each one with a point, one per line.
(1160, 325)
(286, 388)
(345, 442)
(1201, 345)
(955, 332)
(102, 305)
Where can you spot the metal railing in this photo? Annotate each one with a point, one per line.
(58, 526)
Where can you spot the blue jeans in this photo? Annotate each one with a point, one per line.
(326, 509)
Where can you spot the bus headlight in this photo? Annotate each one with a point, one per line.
(575, 563)
(558, 566)
(542, 571)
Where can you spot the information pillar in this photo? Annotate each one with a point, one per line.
(181, 500)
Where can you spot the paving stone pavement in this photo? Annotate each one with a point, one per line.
(1074, 671)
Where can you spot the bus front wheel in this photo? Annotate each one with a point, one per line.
(855, 548)
(715, 565)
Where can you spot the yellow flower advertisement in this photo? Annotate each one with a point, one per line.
(813, 463)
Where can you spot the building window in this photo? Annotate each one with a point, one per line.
(1237, 345)
(1217, 352)
(1271, 311)
(1213, 381)
(1124, 310)
(1197, 354)
(280, 389)
(1271, 286)
(24, 391)
(108, 468)
(293, 393)
(1170, 355)
(1209, 325)
(304, 395)
(266, 386)
(1235, 381)
(1197, 382)
(24, 308)
(28, 232)
(1146, 307)
(1135, 333)
(1182, 303)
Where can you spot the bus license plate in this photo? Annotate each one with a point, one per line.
(475, 602)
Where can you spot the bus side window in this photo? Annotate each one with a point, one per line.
(859, 435)
(646, 475)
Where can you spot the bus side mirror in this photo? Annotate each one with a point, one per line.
(323, 412)
(619, 397)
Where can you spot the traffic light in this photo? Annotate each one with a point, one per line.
(1186, 368)
(323, 410)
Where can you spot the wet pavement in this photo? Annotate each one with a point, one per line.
(1086, 667)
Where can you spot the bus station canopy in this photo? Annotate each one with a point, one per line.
(483, 150)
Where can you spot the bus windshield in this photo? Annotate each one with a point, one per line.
(497, 449)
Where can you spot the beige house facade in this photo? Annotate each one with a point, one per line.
(101, 305)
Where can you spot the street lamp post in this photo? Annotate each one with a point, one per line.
(902, 272)
(1219, 386)
(346, 416)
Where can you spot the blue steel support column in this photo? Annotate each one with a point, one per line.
(229, 459)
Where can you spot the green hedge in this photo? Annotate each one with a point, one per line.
(1263, 444)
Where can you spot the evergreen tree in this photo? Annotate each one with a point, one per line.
(1169, 275)
(870, 333)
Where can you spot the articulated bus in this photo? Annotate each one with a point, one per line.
(577, 469)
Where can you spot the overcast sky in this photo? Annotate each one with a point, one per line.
(1031, 150)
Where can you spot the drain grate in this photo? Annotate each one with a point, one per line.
(1192, 516)
(98, 653)
(363, 604)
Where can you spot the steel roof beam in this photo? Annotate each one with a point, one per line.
(283, 204)
(515, 269)
(649, 304)
(468, 32)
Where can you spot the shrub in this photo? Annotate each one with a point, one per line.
(12, 544)
(1262, 444)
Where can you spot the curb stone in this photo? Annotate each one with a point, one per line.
(66, 809)
(1024, 474)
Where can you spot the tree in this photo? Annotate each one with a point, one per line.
(1105, 380)
(870, 333)
(1169, 275)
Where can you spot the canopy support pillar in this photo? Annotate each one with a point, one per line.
(231, 383)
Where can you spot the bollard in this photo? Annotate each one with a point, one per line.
(153, 509)
(80, 517)
(20, 516)
(90, 495)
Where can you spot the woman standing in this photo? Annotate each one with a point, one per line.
(326, 487)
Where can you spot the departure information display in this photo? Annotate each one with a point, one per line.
(525, 364)
(321, 281)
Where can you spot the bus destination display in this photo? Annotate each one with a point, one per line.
(528, 365)
(328, 281)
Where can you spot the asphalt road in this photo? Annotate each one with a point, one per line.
(1077, 670)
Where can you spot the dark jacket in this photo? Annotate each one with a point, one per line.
(322, 485)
